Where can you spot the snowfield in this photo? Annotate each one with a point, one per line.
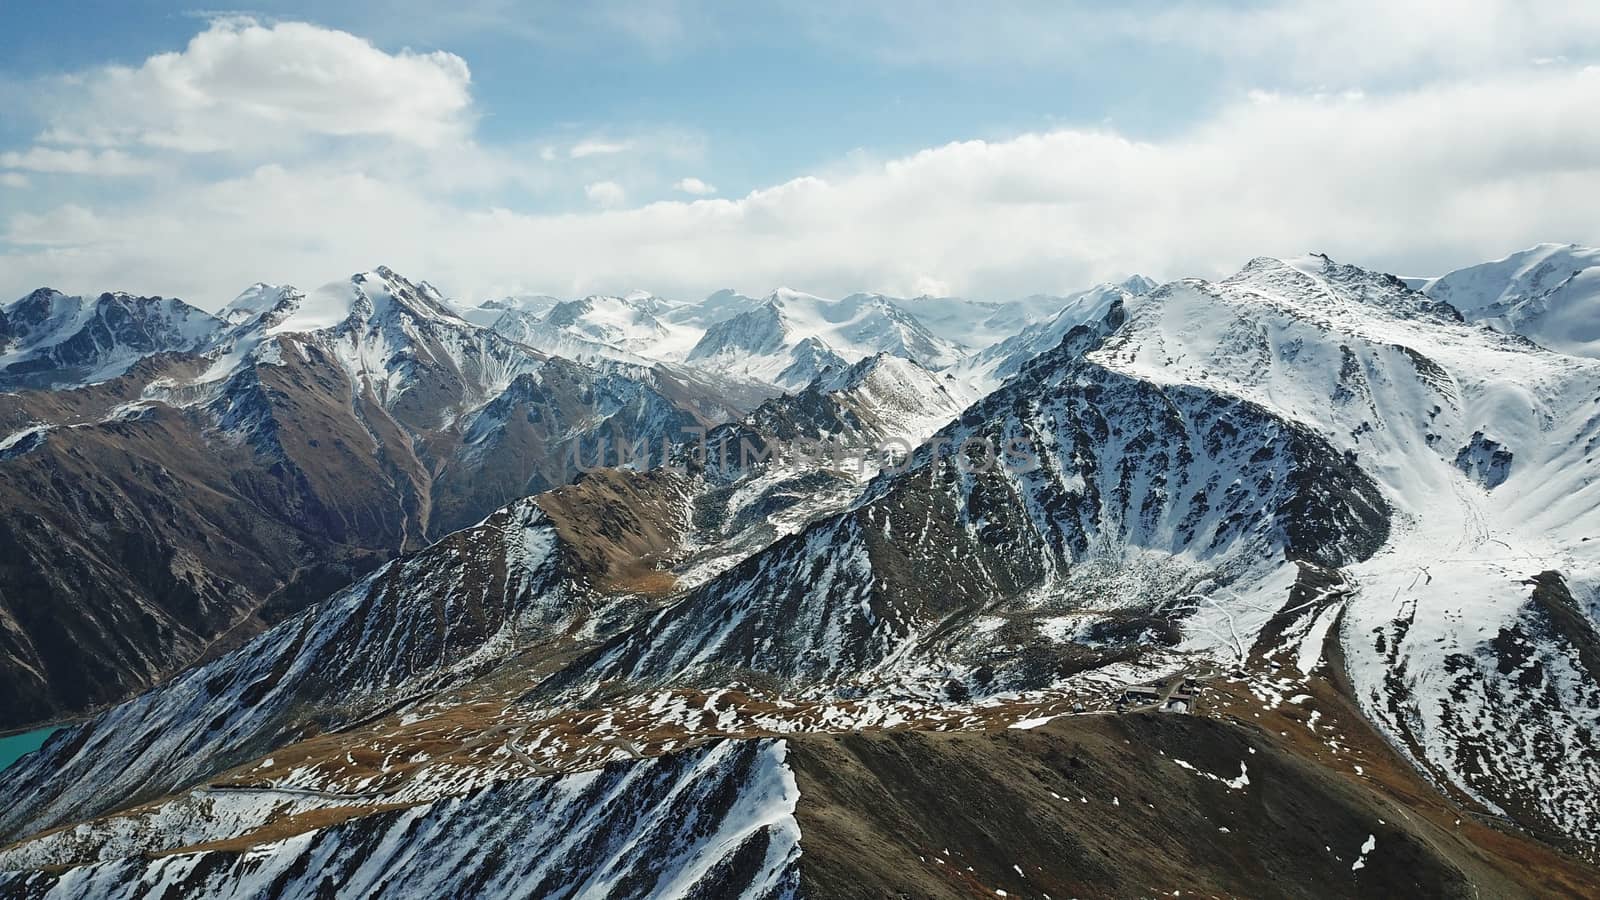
(1303, 475)
(1406, 390)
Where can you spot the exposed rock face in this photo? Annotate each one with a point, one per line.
(717, 822)
(412, 626)
(1295, 485)
(48, 338)
(1485, 461)
(1085, 806)
(211, 495)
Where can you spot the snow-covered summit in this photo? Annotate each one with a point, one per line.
(1481, 444)
(989, 368)
(53, 339)
(261, 300)
(383, 330)
(907, 401)
(367, 299)
(633, 328)
(1548, 293)
(792, 337)
(1515, 277)
(980, 324)
(629, 323)
(485, 313)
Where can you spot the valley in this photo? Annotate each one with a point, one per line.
(1284, 578)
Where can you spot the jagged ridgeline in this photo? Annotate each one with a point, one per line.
(1354, 511)
(296, 443)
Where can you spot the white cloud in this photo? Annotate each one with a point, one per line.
(606, 194)
(1352, 40)
(68, 226)
(1443, 174)
(245, 87)
(13, 180)
(1299, 42)
(592, 147)
(75, 161)
(695, 186)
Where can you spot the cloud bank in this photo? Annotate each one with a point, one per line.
(341, 156)
(240, 85)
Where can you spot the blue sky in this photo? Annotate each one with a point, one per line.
(497, 146)
(772, 93)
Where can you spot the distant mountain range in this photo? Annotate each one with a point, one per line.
(338, 602)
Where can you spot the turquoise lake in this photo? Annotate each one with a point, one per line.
(15, 746)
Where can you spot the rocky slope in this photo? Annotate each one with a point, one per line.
(618, 832)
(1359, 521)
(1141, 804)
(317, 436)
(429, 620)
(48, 338)
(537, 581)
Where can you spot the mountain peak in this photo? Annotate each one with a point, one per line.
(1548, 293)
(881, 363)
(258, 300)
(54, 339)
(1517, 276)
(784, 295)
(1137, 284)
(365, 296)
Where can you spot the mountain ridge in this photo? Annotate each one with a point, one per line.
(1338, 528)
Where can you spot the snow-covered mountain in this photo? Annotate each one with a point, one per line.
(790, 338)
(786, 339)
(1465, 634)
(486, 312)
(1505, 282)
(631, 323)
(718, 306)
(1246, 463)
(1361, 523)
(258, 300)
(317, 435)
(989, 368)
(889, 398)
(881, 403)
(49, 338)
(635, 327)
(1549, 293)
(980, 324)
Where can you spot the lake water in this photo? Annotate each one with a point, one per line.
(15, 746)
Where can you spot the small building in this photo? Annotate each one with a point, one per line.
(1140, 694)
